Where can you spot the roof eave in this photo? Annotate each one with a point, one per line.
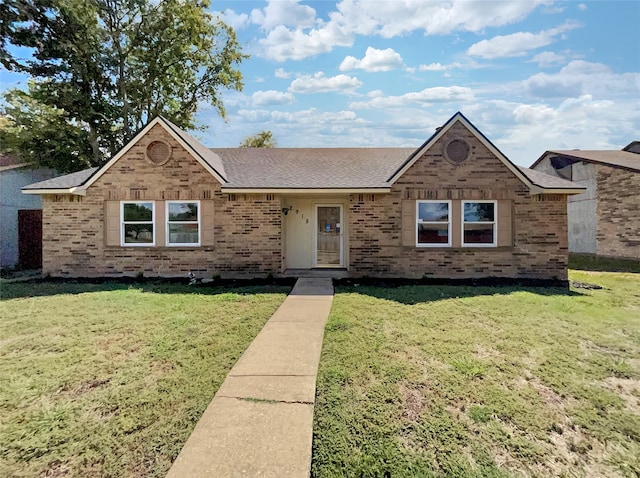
(534, 190)
(75, 191)
(239, 190)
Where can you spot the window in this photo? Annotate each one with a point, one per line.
(137, 224)
(183, 223)
(433, 223)
(479, 223)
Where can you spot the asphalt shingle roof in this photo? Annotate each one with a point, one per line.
(624, 159)
(311, 168)
(64, 182)
(547, 181)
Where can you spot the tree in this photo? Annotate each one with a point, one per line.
(110, 66)
(41, 134)
(263, 139)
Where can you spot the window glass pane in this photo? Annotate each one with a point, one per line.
(183, 233)
(478, 234)
(433, 211)
(478, 211)
(142, 211)
(183, 211)
(433, 233)
(138, 233)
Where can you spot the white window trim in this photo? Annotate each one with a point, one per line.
(167, 222)
(449, 222)
(495, 224)
(152, 222)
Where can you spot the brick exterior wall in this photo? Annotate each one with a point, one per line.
(618, 212)
(539, 223)
(247, 239)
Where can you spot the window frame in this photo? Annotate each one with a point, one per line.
(168, 222)
(449, 222)
(494, 223)
(123, 223)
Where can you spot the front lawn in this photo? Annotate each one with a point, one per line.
(109, 380)
(433, 381)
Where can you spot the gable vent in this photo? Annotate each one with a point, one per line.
(456, 151)
(159, 152)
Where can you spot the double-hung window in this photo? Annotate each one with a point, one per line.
(433, 220)
(136, 223)
(479, 223)
(183, 223)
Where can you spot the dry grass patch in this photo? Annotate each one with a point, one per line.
(433, 381)
(109, 380)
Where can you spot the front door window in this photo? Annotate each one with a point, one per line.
(329, 236)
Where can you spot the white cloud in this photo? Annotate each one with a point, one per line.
(524, 131)
(375, 93)
(439, 67)
(517, 44)
(390, 19)
(582, 7)
(318, 83)
(295, 33)
(580, 77)
(283, 44)
(281, 73)
(284, 12)
(271, 97)
(374, 61)
(438, 94)
(235, 20)
(548, 58)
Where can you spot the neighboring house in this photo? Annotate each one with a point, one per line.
(14, 175)
(165, 205)
(605, 219)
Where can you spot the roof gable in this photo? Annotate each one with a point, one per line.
(440, 132)
(207, 158)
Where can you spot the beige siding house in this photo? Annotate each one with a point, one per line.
(605, 219)
(165, 205)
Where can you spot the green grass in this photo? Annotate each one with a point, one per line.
(590, 262)
(109, 380)
(435, 381)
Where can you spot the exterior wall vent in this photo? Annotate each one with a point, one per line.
(457, 151)
(159, 152)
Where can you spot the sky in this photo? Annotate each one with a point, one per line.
(531, 75)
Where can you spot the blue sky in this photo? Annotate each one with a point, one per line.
(532, 75)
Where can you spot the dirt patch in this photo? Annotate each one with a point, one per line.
(572, 445)
(414, 402)
(626, 388)
(482, 353)
(56, 469)
(88, 386)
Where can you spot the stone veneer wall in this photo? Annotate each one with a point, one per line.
(246, 242)
(539, 223)
(618, 212)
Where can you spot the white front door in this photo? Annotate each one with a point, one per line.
(328, 237)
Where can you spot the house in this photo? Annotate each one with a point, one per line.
(165, 205)
(605, 219)
(20, 215)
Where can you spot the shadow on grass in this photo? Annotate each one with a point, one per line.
(590, 262)
(419, 291)
(50, 287)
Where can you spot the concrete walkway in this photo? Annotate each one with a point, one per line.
(260, 421)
